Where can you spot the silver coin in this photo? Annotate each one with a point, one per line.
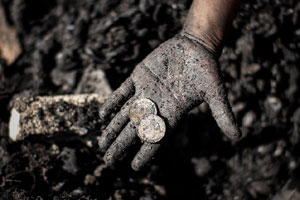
(151, 129)
(141, 108)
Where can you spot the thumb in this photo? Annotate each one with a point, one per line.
(222, 112)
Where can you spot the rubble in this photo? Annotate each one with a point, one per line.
(47, 115)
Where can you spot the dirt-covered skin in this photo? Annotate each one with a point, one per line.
(179, 75)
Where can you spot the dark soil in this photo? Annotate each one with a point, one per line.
(260, 64)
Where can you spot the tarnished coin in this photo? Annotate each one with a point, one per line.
(151, 129)
(141, 108)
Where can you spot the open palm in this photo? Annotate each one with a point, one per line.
(178, 75)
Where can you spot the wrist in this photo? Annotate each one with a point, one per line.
(209, 20)
(206, 38)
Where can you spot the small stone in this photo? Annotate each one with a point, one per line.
(238, 107)
(89, 179)
(202, 166)
(58, 186)
(249, 119)
(99, 170)
(141, 108)
(274, 103)
(93, 81)
(89, 143)
(278, 151)
(292, 165)
(160, 189)
(265, 148)
(151, 129)
(251, 69)
(77, 192)
(82, 131)
(54, 149)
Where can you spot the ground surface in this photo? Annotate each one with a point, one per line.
(63, 40)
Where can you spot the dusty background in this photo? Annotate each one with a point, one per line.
(63, 41)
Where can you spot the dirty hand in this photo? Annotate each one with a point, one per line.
(178, 75)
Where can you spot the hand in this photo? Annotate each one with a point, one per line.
(179, 75)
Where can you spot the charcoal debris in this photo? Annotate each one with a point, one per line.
(65, 45)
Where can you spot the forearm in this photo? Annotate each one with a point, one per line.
(209, 20)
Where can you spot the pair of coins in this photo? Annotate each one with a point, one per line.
(150, 127)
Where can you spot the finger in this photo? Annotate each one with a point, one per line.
(116, 99)
(115, 126)
(145, 154)
(222, 112)
(123, 141)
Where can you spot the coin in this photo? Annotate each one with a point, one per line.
(151, 129)
(141, 108)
